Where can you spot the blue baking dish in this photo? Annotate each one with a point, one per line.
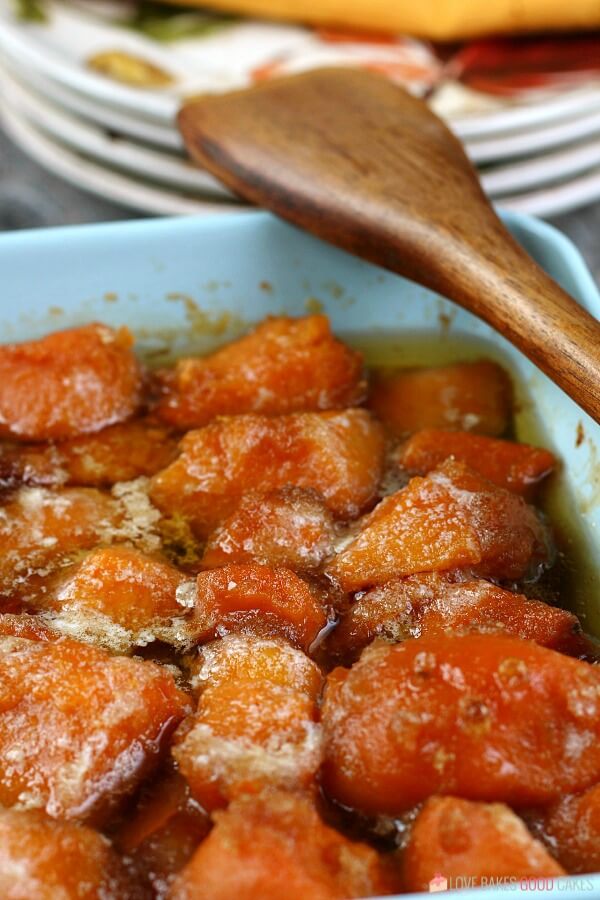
(199, 282)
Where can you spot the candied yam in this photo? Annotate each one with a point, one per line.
(386, 612)
(68, 383)
(480, 605)
(275, 845)
(33, 464)
(477, 841)
(513, 540)
(284, 365)
(79, 728)
(251, 730)
(451, 519)
(259, 600)
(246, 736)
(117, 597)
(418, 529)
(120, 452)
(487, 717)
(422, 605)
(515, 467)
(288, 527)
(163, 832)
(470, 396)
(246, 658)
(41, 528)
(339, 454)
(42, 859)
(26, 626)
(572, 829)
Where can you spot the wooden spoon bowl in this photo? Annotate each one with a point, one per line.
(362, 164)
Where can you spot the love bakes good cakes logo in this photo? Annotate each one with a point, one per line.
(439, 882)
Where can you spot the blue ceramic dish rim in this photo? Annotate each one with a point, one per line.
(569, 888)
(590, 292)
(519, 223)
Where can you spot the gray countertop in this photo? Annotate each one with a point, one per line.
(30, 197)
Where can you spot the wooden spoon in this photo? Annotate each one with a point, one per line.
(364, 165)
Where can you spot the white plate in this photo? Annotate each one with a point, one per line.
(140, 196)
(541, 170)
(56, 51)
(172, 170)
(229, 58)
(98, 180)
(562, 198)
(491, 150)
(118, 122)
(60, 48)
(492, 116)
(494, 150)
(112, 150)
(532, 142)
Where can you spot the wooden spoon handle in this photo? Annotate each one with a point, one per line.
(504, 286)
(362, 164)
(534, 314)
(501, 284)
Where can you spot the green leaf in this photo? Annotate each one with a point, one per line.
(167, 23)
(30, 10)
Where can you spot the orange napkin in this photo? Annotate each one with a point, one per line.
(435, 19)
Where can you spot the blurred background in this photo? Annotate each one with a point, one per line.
(89, 92)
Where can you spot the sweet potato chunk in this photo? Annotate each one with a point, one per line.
(68, 383)
(26, 626)
(44, 529)
(259, 600)
(473, 396)
(40, 529)
(33, 464)
(487, 717)
(423, 605)
(44, 859)
(572, 828)
(256, 721)
(452, 518)
(480, 605)
(339, 454)
(284, 365)
(515, 467)
(479, 841)
(160, 837)
(117, 597)
(288, 527)
(274, 846)
(245, 658)
(118, 453)
(79, 728)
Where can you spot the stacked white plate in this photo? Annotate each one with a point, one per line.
(94, 99)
